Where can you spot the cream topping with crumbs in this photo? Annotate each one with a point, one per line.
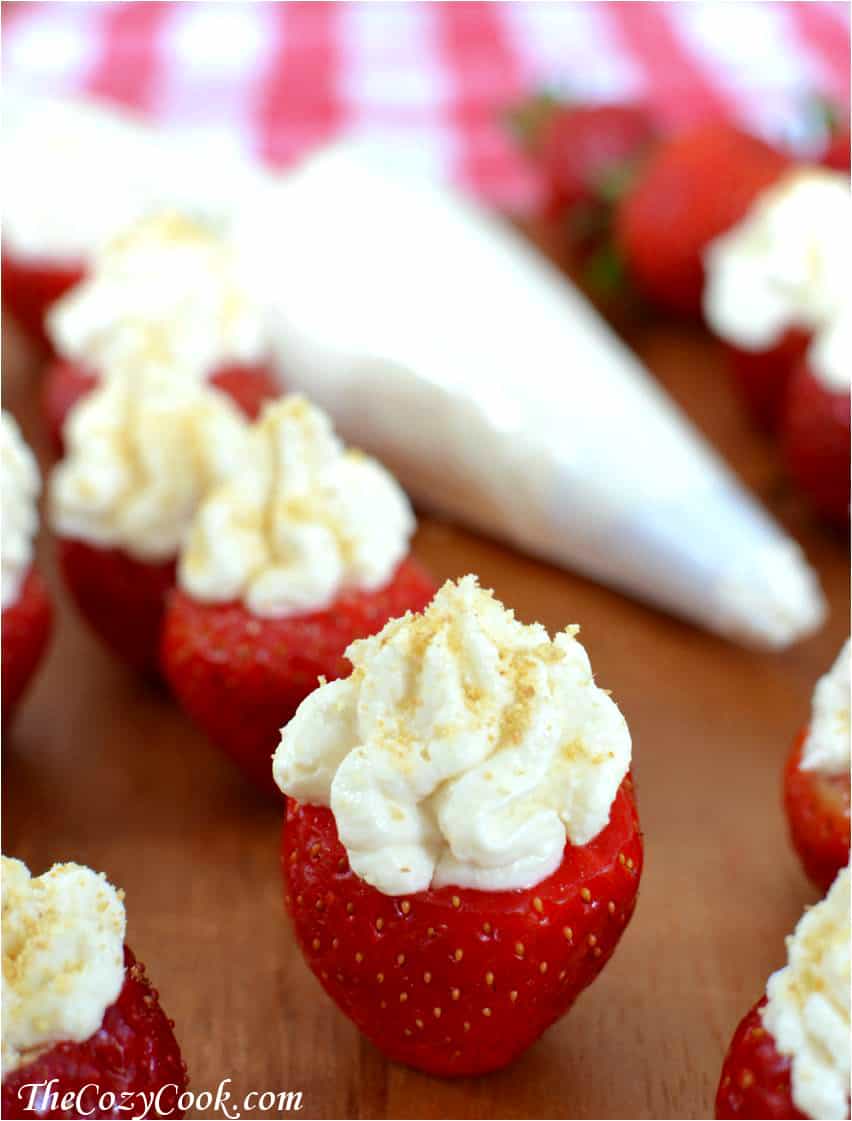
(465, 748)
(303, 520)
(169, 283)
(143, 450)
(826, 748)
(63, 957)
(20, 485)
(807, 1009)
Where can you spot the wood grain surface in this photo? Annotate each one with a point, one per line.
(102, 768)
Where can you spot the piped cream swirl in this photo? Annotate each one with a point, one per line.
(20, 485)
(465, 748)
(303, 520)
(144, 448)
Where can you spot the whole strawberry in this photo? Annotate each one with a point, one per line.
(455, 981)
(690, 189)
(240, 677)
(134, 1052)
(585, 153)
(755, 1080)
(815, 441)
(67, 383)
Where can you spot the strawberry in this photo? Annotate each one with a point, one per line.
(66, 383)
(133, 1052)
(455, 981)
(755, 1081)
(27, 624)
(241, 677)
(121, 598)
(815, 442)
(585, 152)
(762, 376)
(817, 808)
(837, 153)
(691, 189)
(30, 287)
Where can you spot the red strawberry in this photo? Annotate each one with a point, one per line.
(27, 624)
(455, 981)
(121, 598)
(586, 152)
(755, 1080)
(29, 287)
(690, 190)
(241, 677)
(762, 376)
(66, 383)
(818, 815)
(815, 442)
(837, 154)
(133, 1052)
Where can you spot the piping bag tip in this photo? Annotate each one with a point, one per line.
(774, 601)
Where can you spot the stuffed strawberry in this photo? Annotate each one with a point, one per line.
(83, 1030)
(815, 425)
(775, 282)
(170, 291)
(816, 779)
(691, 189)
(302, 552)
(27, 612)
(461, 851)
(789, 1057)
(143, 450)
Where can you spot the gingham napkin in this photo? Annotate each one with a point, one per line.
(432, 77)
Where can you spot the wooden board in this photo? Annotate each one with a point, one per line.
(103, 769)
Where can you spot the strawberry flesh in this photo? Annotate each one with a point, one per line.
(242, 677)
(691, 189)
(755, 1081)
(27, 624)
(121, 598)
(30, 287)
(815, 442)
(818, 815)
(455, 981)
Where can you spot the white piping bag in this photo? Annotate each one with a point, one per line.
(442, 343)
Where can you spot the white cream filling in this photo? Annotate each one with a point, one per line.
(303, 520)
(19, 490)
(465, 748)
(826, 748)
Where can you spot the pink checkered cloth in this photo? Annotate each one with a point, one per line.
(432, 78)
